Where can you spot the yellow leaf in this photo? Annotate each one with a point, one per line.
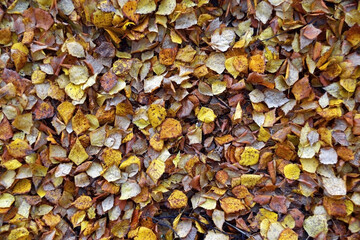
(231, 205)
(166, 7)
(157, 114)
(51, 220)
(176, 159)
(18, 233)
(250, 180)
(131, 160)
(266, 214)
(218, 87)
(206, 115)
(20, 47)
(145, 233)
(12, 164)
(156, 170)
(18, 148)
(38, 76)
(176, 220)
(77, 153)
(186, 54)
(102, 19)
(6, 200)
(80, 123)
(288, 222)
(209, 204)
(314, 225)
(122, 66)
(83, 202)
(41, 192)
(77, 218)
(241, 64)
(78, 74)
(348, 84)
(75, 92)
(349, 207)
(66, 111)
(236, 118)
(249, 157)
(175, 38)
(145, 6)
(22, 186)
(23, 122)
(229, 65)
(177, 199)
(156, 143)
(120, 229)
(309, 164)
(124, 108)
(111, 156)
(198, 227)
(292, 171)
(329, 113)
(264, 135)
(257, 63)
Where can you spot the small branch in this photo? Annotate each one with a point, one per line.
(162, 223)
(238, 229)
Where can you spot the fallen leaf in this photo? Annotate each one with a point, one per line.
(177, 199)
(170, 128)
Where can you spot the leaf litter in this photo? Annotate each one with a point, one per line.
(179, 119)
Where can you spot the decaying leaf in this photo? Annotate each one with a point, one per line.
(170, 128)
(156, 169)
(249, 157)
(314, 225)
(114, 114)
(83, 202)
(177, 199)
(231, 205)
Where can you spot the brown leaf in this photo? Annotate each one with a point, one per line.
(43, 19)
(301, 89)
(108, 81)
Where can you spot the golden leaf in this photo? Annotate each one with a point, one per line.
(157, 114)
(231, 205)
(170, 128)
(177, 199)
(206, 115)
(83, 202)
(77, 153)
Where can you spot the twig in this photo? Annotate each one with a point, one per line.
(162, 223)
(238, 229)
